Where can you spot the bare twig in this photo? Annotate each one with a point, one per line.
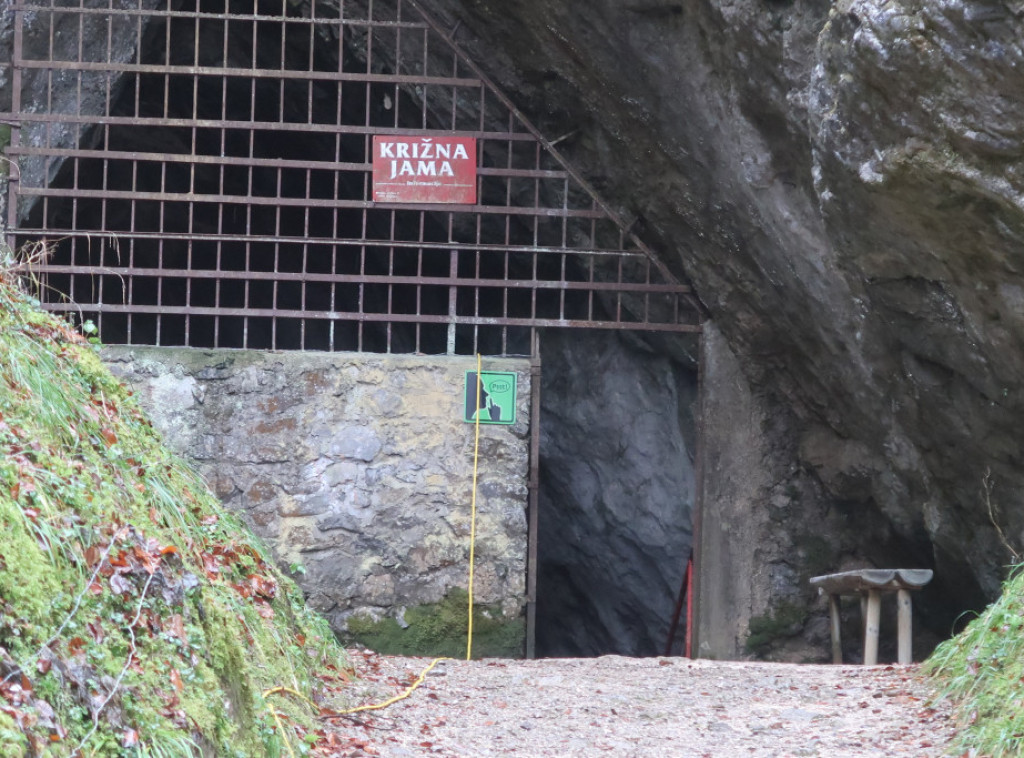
(77, 752)
(986, 492)
(359, 722)
(22, 264)
(12, 165)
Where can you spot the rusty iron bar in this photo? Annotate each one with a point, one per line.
(533, 527)
(301, 202)
(214, 160)
(255, 126)
(409, 318)
(447, 245)
(247, 73)
(14, 179)
(697, 515)
(290, 276)
(205, 16)
(684, 595)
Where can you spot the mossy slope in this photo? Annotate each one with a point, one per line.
(137, 617)
(982, 671)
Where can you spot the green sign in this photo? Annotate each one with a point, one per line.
(497, 392)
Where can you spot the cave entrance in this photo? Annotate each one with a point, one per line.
(203, 173)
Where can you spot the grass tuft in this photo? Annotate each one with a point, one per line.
(982, 672)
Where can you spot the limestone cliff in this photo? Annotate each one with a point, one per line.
(842, 182)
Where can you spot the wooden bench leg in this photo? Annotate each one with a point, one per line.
(871, 623)
(904, 615)
(863, 617)
(837, 643)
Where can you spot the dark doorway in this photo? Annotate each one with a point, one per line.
(617, 489)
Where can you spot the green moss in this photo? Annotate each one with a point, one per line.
(118, 564)
(5, 140)
(12, 738)
(783, 621)
(439, 629)
(34, 591)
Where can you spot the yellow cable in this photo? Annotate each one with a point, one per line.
(374, 707)
(290, 691)
(409, 690)
(280, 730)
(472, 521)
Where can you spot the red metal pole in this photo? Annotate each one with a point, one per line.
(688, 649)
(684, 589)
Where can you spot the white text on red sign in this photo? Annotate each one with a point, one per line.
(424, 169)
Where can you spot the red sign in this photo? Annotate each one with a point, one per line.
(424, 169)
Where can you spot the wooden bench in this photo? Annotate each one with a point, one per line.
(870, 584)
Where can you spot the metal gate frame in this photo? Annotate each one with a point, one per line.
(173, 241)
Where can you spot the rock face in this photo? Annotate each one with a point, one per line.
(842, 182)
(356, 468)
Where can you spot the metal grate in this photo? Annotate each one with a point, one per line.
(203, 169)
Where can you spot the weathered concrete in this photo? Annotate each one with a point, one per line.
(357, 469)
(734, 484)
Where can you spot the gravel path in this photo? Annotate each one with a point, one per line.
(642, 707)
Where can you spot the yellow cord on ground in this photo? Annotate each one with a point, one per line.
(374, 707)
(290, 691)
(472, 521)
(402, 696)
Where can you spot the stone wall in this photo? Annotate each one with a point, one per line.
(356, 469)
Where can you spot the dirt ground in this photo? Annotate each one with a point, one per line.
(641, 707)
